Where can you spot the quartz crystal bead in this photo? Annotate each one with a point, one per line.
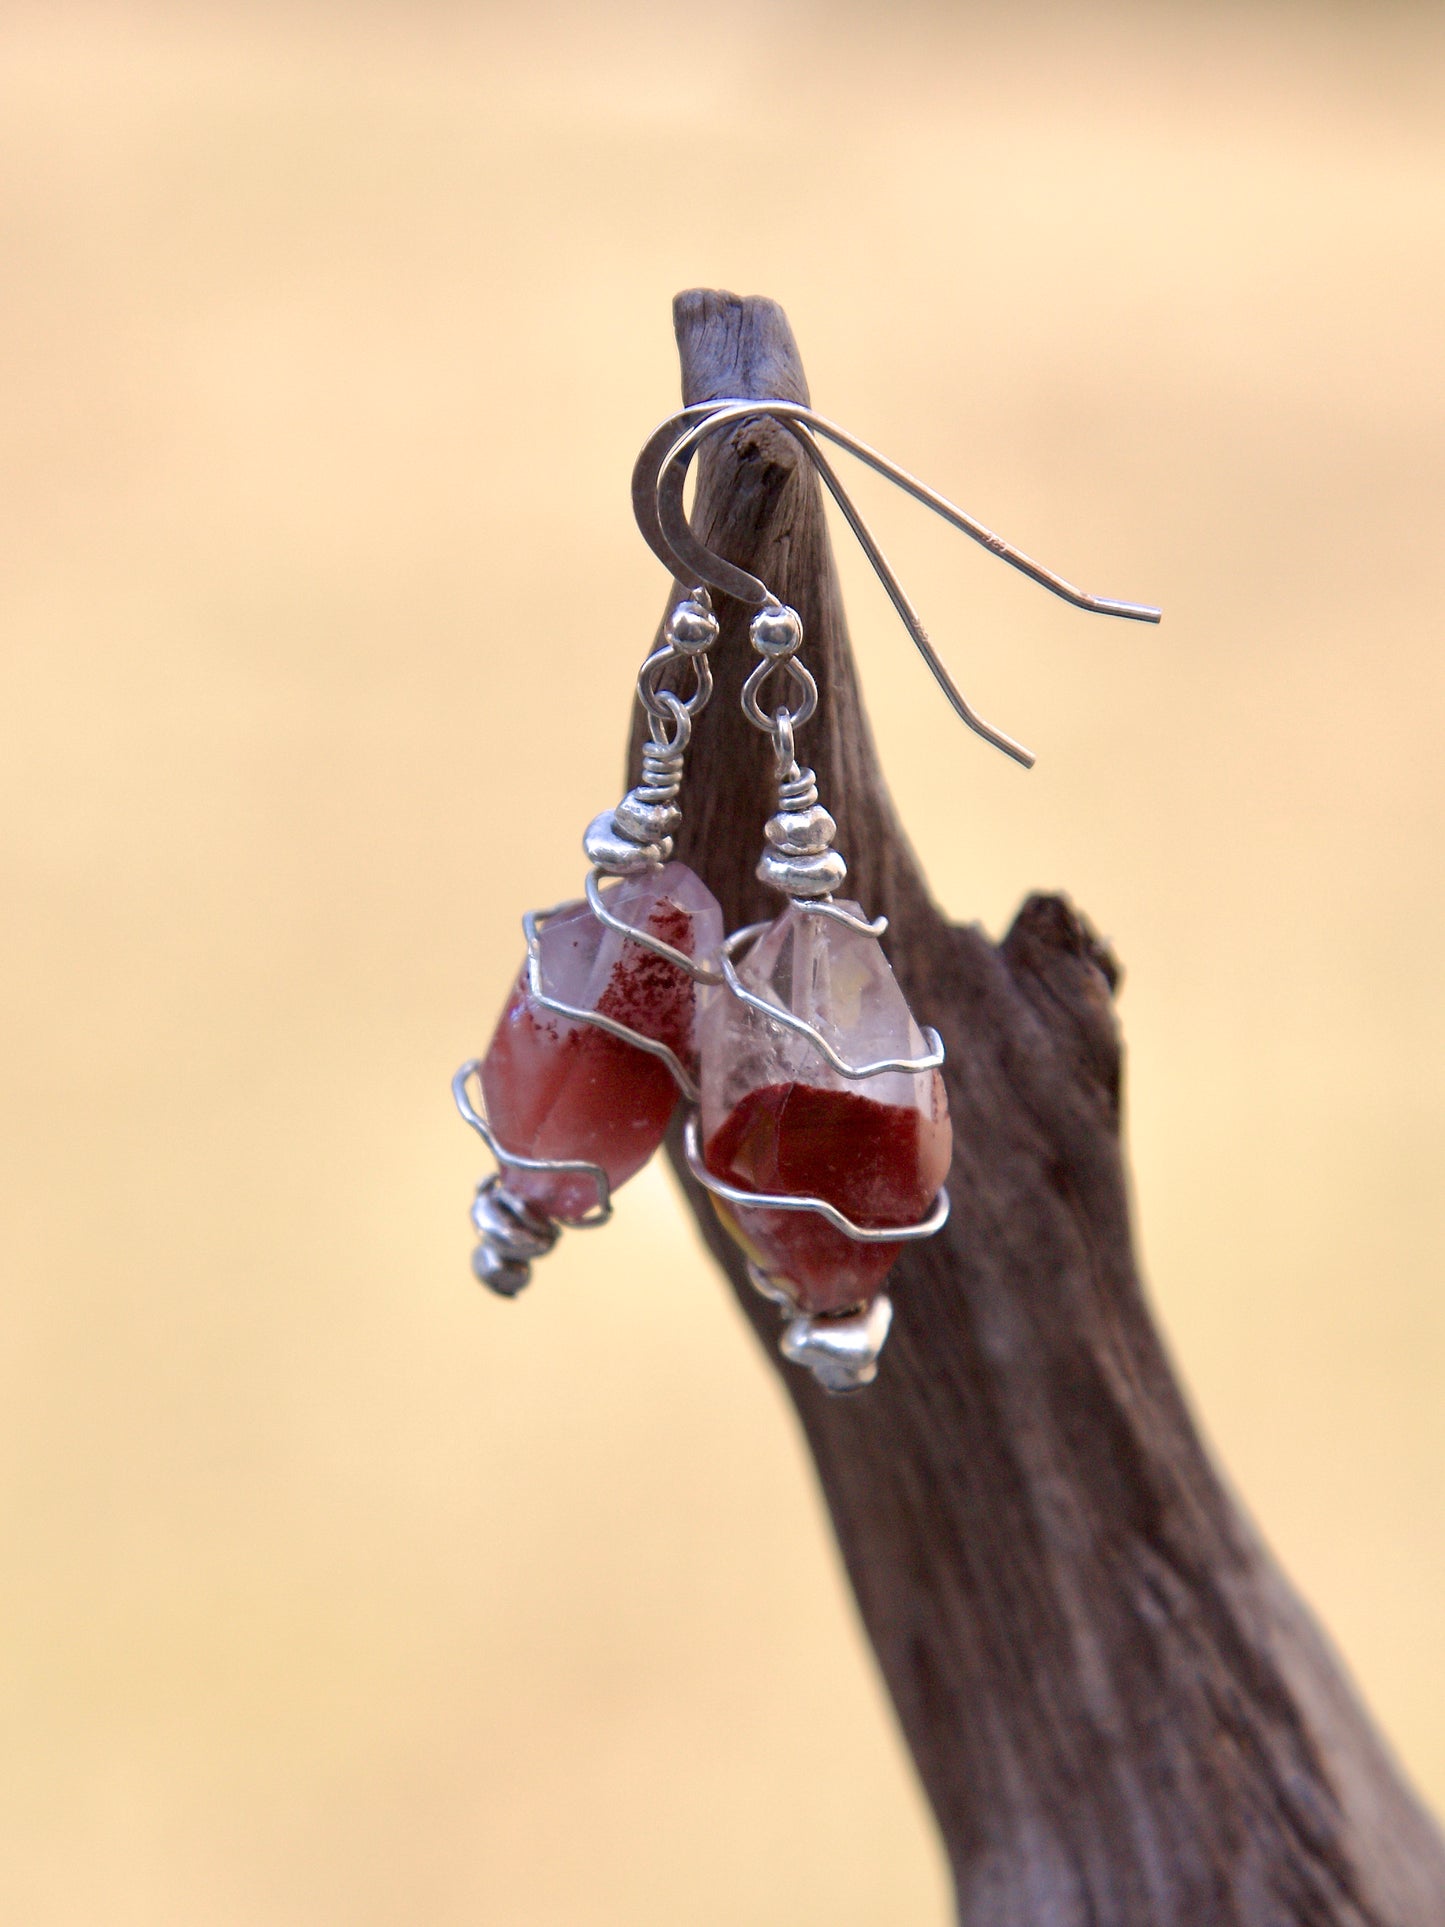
(556, 1087)
(777, 1118)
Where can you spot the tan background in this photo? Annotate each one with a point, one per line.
(332, 1590)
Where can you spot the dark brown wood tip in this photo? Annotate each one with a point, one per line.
(735, 345)
(1121, 1714)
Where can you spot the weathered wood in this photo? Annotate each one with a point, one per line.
(1120, 1712)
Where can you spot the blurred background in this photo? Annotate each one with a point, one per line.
(334, 1591)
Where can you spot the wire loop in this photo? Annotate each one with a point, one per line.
(803, 680)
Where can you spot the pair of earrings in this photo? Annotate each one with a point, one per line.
(817, 1118)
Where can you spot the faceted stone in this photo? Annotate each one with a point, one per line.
(556, 1087)
(777, 1117)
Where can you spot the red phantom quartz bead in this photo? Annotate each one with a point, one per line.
(776, 1117)
(556, 1087)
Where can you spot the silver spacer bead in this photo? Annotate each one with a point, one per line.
(643, 821)
(505, 1276)
(619, 855)
(818, 875)
(841, 1353)
(801, 832)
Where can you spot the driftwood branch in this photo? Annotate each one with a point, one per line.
(1120, 1712)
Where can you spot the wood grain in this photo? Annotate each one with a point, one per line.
(1121, 1714)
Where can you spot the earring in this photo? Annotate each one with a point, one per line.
(598, 1035)
(817, 1117)
(823, 1134)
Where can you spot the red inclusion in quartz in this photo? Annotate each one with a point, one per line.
(879, 1164)
(651, 995)
(559, 1088)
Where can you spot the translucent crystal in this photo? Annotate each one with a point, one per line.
(776, 1117)
(556, 1087)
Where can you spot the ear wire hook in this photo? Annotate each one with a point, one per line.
(646, 475)
(657, 492)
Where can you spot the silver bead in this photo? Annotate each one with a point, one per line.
(803, 876)
(645, 822)
(691, 628)
(505, 1276)
(801, 832)
(776, 632)
(841, 1353)
(618, 855)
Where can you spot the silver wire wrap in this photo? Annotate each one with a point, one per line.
(701, 972)
(776, 1201)
(511, 1231)
(532, 922)
(513, 1160)
(637, 835)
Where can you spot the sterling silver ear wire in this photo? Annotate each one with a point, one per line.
(658, 481)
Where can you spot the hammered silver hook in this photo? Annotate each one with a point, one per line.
(658, 482)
